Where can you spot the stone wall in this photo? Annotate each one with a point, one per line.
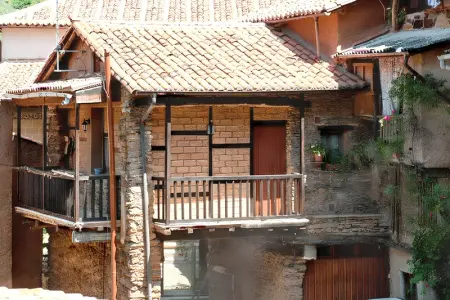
(79, 268)
(244, 269)
(131, 273)
(6, 162)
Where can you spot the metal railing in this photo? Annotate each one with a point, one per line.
(186, 199)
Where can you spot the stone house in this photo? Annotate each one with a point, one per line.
(221, 106)
(222, 180)
(426, 142)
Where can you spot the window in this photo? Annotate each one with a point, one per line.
(184, 269)
(409, 289)
(334, 140)
(365, 71)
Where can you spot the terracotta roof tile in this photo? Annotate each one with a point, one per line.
(69, 85)
(44, 14)
(17, 74)
(286, 9)
(210, 58)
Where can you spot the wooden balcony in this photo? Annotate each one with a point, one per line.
(49, 197)
(392, 130)
(241, 201)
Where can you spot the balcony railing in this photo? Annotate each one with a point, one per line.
(392, 129)
(53, 193)
(214, 198)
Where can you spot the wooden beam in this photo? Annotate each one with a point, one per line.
(112, 174)
(168, 139)
(77, 164)
(19, 137)
(44, 137)
(302, 160)
(210, 100)
(38, 101)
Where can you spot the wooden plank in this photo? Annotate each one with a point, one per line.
(302, 160)
(238, 178)
(175, 200)
(240, 199)
(182, 199)
(44, 137)
(197, 200)
(233, 198)
(226, 199)
(190, 199)
(218, 200)
(204, 199)
(77, 164)
(168, 159)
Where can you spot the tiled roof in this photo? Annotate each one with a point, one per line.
(38, 294)
(210, 58)
(403, 41)
(286, 9)
(16, 74)
(195, 11)
(69, 85)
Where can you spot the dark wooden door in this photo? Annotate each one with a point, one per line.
(269, 158)
(356, 278)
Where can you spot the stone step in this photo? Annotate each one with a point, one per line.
(39, 294)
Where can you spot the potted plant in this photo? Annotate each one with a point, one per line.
(318, 151)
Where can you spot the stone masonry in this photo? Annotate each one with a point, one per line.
(243, 269)
(131, 271)
(6, 162)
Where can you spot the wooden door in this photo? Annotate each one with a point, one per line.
(269, 158)
(354, 278)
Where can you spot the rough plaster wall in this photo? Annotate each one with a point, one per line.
(79, 268)
(131, 273)
(31, 123)
(6, 161)
(390, 69)
(258, 273)
(398, 261)
(359, 21)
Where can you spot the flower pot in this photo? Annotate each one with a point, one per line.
(318, 158)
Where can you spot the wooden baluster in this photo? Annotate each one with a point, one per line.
(232, 197)
(240, 199)
(204, 199)
(261, 186)
(289, 197)
(296, 197)
(269, 199)
(283, 196)
(247, 198)
(226, 199)
(190, 199)
(197, 200)
(275, 197)
(218, 199)
(158, 199)
(182, 199)
(175, 200)
(211, 199)
(253, 208)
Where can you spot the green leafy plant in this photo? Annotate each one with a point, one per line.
(401, 16)
(318, 149)
(20, 4)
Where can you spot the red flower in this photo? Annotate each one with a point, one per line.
(427, 285)
(442, 197)
(431, 214)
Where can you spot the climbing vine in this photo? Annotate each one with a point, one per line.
(430, 261)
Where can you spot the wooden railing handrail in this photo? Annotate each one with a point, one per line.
(235, 178)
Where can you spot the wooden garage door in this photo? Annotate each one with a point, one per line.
(356, 278)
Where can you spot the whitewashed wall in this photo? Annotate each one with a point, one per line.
(28, 43)
(390, 69)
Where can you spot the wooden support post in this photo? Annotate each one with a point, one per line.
(168, 138)
(18, 150)
(210, 168)
(302, 159)
(44, 137)
(77, 164)
(19, 137)
(112, 175)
